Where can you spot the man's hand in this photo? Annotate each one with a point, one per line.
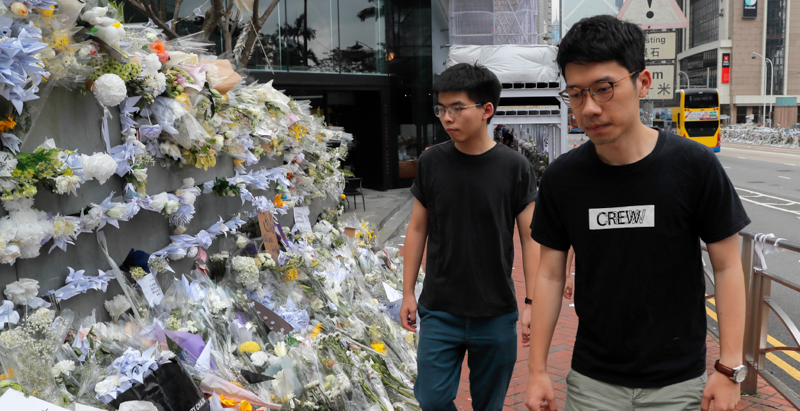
(569, 288)
(540, 396)
(408, 312)
(724, 392)
(525, 323)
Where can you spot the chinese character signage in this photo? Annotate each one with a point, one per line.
(750, 9)
(663, 84)
(659, 46)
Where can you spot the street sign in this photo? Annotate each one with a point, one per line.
(653, 14)
(663, 86)
(659, 46)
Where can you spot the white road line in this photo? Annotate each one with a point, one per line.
(741, 158)
(725, 167)
(789, 164)
(761, 151)
(756, 195)
(788, 178)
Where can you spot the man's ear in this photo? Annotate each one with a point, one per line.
(645, 79)
(488, 110)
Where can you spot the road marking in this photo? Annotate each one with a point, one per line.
(725, 167)
(741, 158)
(772, 357)
(788, 164)
(753, 196)
(761, 151)
(788, 178)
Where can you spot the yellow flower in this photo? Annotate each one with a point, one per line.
(315, 332)
(249, 347)
(183, 98)
(7, 125)
(278, 201)
(342, 196)
(245, 406)
(227, 402)
(290, 275)
(379, 347)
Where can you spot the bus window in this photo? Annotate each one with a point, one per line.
(704, 100)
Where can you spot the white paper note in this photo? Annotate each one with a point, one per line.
(7, 164)
(391, 293)
(15, 400)
(301, 222)
(152, 291)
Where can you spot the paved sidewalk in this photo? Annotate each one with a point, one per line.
(561, 356)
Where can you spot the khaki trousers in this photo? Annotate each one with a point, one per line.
(587, 394)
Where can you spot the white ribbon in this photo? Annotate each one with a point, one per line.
(762, 248)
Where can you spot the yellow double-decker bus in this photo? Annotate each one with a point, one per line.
(698, 117)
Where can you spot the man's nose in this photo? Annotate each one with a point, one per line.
(590, 107)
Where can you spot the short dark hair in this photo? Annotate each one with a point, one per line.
(481, 85)
(603, 38)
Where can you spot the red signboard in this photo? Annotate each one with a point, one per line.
(726, 67)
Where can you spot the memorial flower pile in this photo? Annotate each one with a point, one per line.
(307, 325)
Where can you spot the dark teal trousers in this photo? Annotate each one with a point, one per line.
(444, 339)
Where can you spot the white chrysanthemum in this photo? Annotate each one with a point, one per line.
(259, 358)
(23, 291)
(170, 150)
(110, 90)
(188, 197)
(67, 184)
(241, 242)
(63, 368)
(65, 227)
(107, 386)
(98, 166)
(117, 305)
(92, 219)
(172, 206)
(158, 201)
(192, 252)
(188, 182)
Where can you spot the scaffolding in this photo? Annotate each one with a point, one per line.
(484, 23)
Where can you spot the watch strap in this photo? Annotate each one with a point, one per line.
(727, 371)
(528, 301)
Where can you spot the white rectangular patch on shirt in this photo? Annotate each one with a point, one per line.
(622, 217)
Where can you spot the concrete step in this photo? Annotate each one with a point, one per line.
(396, 225)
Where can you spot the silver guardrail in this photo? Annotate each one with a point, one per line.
(758, 287)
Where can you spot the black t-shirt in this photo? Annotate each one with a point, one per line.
(472, 203)
(636, 230)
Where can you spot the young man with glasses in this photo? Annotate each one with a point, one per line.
(469, 193)
(635, 204)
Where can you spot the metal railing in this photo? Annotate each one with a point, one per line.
(758, 287)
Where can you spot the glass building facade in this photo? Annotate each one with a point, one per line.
(776, 44)
(365, 65)
(704, 15)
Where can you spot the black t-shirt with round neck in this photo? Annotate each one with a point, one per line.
(636, 230)
(472, 203)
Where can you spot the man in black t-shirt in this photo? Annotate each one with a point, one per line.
(469, 193)
(635, 204)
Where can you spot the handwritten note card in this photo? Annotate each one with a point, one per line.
(267, 226)
(301, 221)
(152, 291)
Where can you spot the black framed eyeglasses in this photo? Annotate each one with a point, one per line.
(601, 92)
(453, 111)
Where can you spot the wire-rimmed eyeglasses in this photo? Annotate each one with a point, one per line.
(601, 92)
(453, 111)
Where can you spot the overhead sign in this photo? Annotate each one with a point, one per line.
(659, 46)
(653, 14)
(663, 86)
(750, 9)
(726, 67)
